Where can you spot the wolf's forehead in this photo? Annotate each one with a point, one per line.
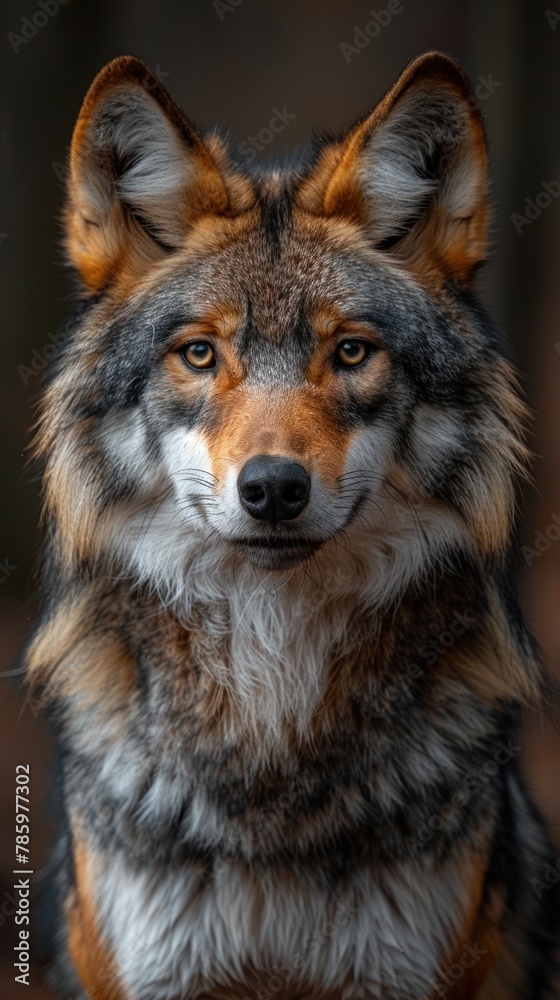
(277, 292)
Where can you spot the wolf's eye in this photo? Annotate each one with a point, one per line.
(199, 354)
(351, 353)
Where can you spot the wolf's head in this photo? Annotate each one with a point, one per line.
(284, 366)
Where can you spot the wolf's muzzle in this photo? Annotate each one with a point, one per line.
(272, 488)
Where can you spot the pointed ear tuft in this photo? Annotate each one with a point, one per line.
(139, 175)
(414, 173)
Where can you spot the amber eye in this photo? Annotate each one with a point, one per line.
(199, 354)
(351, 353)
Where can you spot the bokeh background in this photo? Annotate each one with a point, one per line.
(235, 62)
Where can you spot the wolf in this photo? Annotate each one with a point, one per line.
(279, 639)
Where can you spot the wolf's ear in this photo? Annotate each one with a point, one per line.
(414, 173)
(139, 174)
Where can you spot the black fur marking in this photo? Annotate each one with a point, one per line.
(132, 343)
(276, 213)
(272, 361)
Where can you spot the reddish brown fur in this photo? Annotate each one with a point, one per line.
(335, 188)
(90, 954)
(101, 248)
(481, 929)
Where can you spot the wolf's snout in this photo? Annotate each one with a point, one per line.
(273, 488)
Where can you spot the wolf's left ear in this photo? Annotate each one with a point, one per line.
(414, 173)
(139, 175)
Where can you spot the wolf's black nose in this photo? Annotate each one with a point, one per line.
(272, 488)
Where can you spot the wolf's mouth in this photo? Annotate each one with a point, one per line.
(277, 553)
(283, 551)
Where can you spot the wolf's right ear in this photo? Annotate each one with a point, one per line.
(139, 176)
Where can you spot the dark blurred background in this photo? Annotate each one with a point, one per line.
(238, 62)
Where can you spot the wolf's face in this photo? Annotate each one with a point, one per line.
(276, 366)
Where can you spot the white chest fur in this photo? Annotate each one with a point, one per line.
(384, 931)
